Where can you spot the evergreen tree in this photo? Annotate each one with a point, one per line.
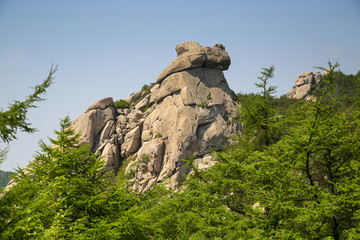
(257, 113)
(65, 194)
(16, 116)
(294, 173)
(309, 181)
(53, 194)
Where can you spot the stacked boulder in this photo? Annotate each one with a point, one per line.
(189, 111)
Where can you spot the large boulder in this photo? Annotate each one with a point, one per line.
(191, 55)
(97, 129)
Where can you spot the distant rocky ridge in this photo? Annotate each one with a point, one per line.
(5, 178)
(304, 85)
(188, 111)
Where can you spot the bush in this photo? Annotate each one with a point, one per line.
(158, 135)
(121, 104)
(146, 88)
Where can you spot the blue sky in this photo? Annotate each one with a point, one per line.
(112, 48)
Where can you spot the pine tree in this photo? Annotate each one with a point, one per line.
(53, 195)
(309, 181)
(257, 112)
(66, 194)
(15, 118)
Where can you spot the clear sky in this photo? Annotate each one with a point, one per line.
(112, 48)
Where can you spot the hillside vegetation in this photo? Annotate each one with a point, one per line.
(292, 173)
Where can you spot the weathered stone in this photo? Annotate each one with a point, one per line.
(188, 117)
(135, 116)
(190, 46)
(121, 122)
(133, 97)
(110, 154)
(101, 104)
(91, 123)
(216, 57)
(205, 162)
(142, 104)
(303, 86)
(131, 142)
(187, 96)
(205, 117)
(191, 55)
(154, 152)
(107, 132)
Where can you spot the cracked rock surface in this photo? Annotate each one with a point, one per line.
(188, 111)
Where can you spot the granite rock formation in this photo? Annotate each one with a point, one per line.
(188, 111)
(303, 86)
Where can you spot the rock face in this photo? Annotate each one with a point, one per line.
(97, 128)
(188, 111)
(303, 84)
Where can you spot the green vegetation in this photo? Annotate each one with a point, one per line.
(205, 103)
(148, 106)
(16, 115)
(293, 173)
(145, 88)
(122, 104)
(121, 171)
(158, 135)
(15, 118)
(346, 89)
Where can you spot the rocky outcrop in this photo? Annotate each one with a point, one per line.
(303, 86)
(191, 55)
(5, 178)
(188, 111)
(97, 128)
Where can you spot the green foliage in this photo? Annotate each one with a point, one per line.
(266, 74)
(122, 104)
(3, 154)
(148, 106)
(205, 103)
(158, 135)
(309, 181)
(145, 159)
(257, 114)
(303, 186)
(146, 88)
(346, 89)
(293, 173)
(16, 116)
(55, 196)
(121, 172)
